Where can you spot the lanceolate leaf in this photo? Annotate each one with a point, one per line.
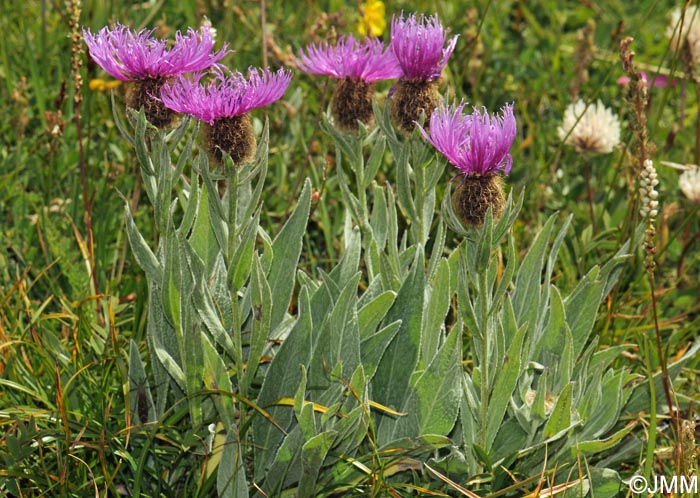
(391, 381)
(433, 403)
(230, 479)
(527, 295)
(506, 381)
(143, 254)
(313, 454)
(582, 307)
(262, 309)
(372, 313)
(437, 308)
(560, 419)
(372, 348)
(239, 267)
(339, 340)
(216, 378)
(203, 238)
(282, 380)
(286, 250)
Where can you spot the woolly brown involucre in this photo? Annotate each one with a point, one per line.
(139, 95)
(352, 102)
(473, 196)
(411, 96)
(233, 135)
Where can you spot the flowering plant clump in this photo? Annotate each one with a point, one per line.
(148, 63)
(422, 50)
(325, 313)
(223, 105)
(478, 145)
(357, 65)
(590, 128)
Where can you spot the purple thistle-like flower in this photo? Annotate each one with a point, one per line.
(476, 144)
(228, 94)
(419, 46)
(350, 58)
(130, 56)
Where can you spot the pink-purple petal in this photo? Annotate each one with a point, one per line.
(419, 46)
(477, 143)
(130, 56)
(350, 58)
(227, 94)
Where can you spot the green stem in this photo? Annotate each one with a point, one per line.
(663, 357)
(651, 440)
(232, 193)
(420, 202)
(484, 377)
(589, 193)
(361, 193)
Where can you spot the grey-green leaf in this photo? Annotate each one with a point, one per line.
(286, 251)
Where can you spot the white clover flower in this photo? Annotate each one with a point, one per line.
(690, 31)
(689, 183)
(647, 190)
(592, 128)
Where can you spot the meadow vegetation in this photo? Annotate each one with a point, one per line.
(320, 321)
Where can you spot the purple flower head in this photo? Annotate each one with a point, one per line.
(350, 58)
(419, 46)
(132, 56)
(476, 144)
(227, 94)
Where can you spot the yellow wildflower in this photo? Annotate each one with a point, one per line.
(100, 85)
(372, 22)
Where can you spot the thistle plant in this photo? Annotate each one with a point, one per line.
(356, 65)
(147, 63)
(478, 145)
(223, 105)
(390, 327)
(468, 359)
(422, 49)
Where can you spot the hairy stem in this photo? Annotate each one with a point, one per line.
(484, 360)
